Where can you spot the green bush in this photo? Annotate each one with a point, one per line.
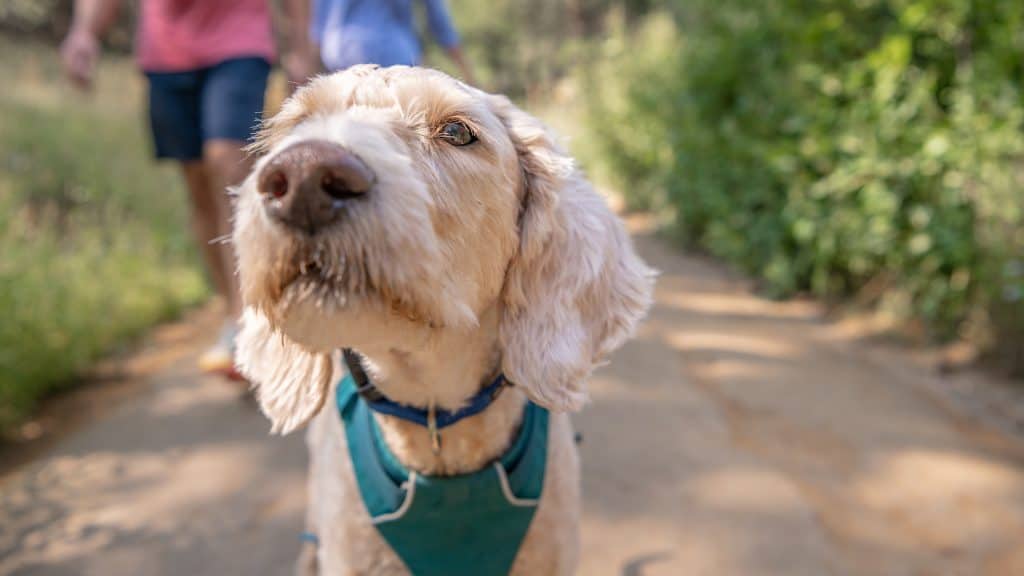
(93, 236)
(834, 146)
(524, 48)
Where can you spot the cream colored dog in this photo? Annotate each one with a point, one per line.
(442, 233)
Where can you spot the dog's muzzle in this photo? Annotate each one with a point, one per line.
(308, 185)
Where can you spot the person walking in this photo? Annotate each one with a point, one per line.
(383, 32)
(206, 63)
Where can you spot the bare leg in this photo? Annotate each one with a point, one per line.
(210, 210)
(226, 165)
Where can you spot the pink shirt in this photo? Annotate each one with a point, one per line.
(180, 35)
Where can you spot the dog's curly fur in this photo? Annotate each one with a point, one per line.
(460, 262)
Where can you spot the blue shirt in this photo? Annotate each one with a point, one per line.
(380, 32)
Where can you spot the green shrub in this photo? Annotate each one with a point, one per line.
(93, 236)
(833, 145)
(524, 48)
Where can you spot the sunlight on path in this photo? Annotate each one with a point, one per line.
(742, 436)
(734, 436)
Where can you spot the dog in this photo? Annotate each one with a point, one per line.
(442, 238)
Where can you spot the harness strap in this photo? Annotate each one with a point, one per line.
(471, 523)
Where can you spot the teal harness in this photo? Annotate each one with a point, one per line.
(470, 524)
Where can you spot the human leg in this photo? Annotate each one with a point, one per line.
(175, 101)
(209, 212)
(231, 104)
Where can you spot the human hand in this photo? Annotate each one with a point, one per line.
(459, 58)
(467, 75)
(79, 53)
(299, 66)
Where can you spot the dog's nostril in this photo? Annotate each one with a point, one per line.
(275, 184)
(337, 187)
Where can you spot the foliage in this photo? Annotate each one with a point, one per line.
(834, 146)
(523, 48)
(49, 20)
(94, 238)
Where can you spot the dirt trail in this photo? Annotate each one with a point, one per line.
(733, 436)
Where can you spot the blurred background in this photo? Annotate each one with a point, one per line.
(864, 154)
(857, 150)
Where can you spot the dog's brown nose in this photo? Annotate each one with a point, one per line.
(307, 184)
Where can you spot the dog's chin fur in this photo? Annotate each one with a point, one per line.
(323, 319)
(460, 262)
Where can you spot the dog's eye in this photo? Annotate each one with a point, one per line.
(457, 134)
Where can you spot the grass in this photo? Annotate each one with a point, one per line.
(94, 237)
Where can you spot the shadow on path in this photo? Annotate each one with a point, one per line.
(735, 435)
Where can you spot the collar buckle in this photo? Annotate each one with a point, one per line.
(435, 434)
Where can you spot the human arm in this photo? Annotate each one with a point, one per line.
(81, 47)
(444, 31)
(301, 59)
(459, 58)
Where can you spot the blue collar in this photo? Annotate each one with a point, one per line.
(431, 419)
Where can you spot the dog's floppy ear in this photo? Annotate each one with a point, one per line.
(576, 289)
(291, 382)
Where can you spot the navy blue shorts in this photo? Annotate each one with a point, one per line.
(222, 102)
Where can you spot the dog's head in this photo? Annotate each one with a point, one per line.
(392, 203)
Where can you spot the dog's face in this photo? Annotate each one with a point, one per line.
(393, 203)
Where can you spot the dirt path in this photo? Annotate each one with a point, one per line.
(734, 436)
